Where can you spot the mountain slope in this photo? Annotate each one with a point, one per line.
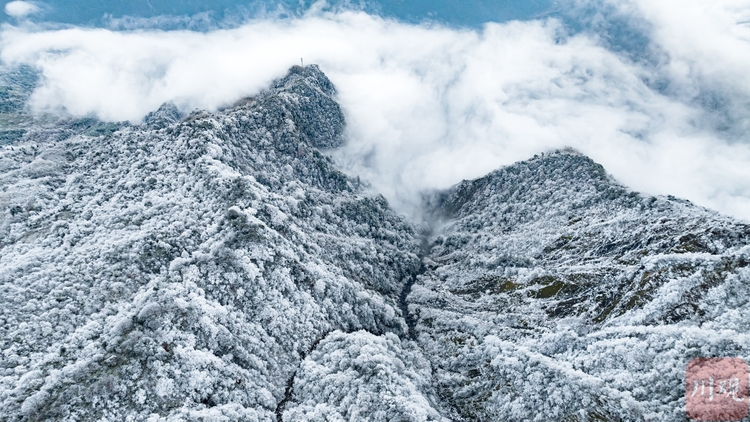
(217, 266)
(183, 269)
(552, 292)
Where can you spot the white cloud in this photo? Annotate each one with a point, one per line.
(429, 106)
(19, 9)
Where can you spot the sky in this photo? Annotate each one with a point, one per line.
(657, 92)
(464, 12)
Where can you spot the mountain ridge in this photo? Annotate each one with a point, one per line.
(218, 266)
(555, 264)
(217, 248)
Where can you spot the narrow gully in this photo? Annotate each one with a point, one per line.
(411, 321)
(290, 382)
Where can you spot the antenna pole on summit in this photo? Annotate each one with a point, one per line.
(301, 62)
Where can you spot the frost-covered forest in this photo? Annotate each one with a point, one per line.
(218, 267)
(553, 293)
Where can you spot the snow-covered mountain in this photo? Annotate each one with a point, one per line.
(217, 266)
(551, 292)
(185, 269)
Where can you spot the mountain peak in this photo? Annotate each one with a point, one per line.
(165, 115)
(309, 96)
(310, 75)
(556, 171)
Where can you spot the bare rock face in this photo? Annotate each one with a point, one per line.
(218, 266)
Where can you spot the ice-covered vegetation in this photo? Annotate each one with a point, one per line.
(554, 293)
(184, 269)
(217, 266)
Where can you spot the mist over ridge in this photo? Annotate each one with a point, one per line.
(428, 105)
